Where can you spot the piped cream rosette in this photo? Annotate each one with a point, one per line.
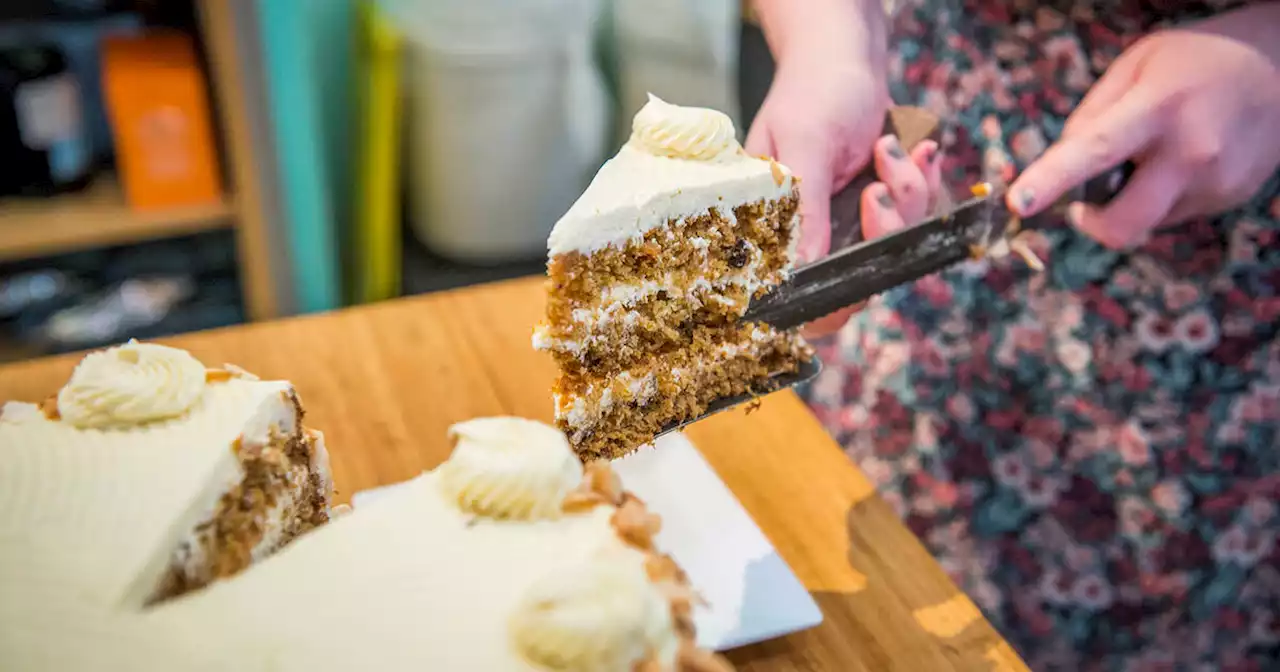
(603, 615)
(131, 384)
(621, 608)
(509, 468)
(692, 133)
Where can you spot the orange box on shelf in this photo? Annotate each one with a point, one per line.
(159, 109)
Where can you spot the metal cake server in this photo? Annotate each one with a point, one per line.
(859, 272)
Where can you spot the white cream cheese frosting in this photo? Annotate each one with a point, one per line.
(679, 162)
(131, 384)
(602, 614)
(413, 581)
(509, 468)
(691, 133)
(103, 509)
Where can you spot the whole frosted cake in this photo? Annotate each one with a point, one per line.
(136, 484)
(649, 272)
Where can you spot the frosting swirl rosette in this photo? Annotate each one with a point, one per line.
(131, 384)
(694, 133)
(604, 615)
(509, 468)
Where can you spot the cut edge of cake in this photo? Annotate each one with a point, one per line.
(229, 449)
(286, 490)
(649, 272)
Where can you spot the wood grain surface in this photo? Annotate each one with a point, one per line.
(384, 382)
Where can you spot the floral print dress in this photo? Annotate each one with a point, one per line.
(1092, 451)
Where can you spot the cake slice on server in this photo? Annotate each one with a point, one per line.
(148, 475)
(650, 271)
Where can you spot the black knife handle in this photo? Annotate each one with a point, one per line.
(1100, 189)
(846, 206)
(856, 273)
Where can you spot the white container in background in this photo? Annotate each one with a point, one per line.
(507, 120)
(683, 51)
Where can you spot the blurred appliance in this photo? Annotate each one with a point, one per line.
(508, 119)
(159, 109)
(683, 51)
(42, 134)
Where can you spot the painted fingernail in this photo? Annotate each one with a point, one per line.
(930, 154)
(1025, 199)
(894, 149)
(885, 200)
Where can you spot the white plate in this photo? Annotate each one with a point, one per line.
(752, 594)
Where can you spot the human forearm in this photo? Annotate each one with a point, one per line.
(850, 30)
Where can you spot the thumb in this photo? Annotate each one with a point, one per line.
(759, 141)
(813, 170)
(815, 183)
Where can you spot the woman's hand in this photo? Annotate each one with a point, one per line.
(819, 122)
(1197, 108)
(826, 105)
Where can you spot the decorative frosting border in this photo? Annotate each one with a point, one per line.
(636, 527)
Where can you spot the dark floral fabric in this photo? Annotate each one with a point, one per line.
(1092, 451)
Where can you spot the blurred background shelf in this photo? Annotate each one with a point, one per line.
(142, 192)
(344, 135)
(97, 217)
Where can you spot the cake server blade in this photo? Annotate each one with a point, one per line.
(859, 272)
(806, 372)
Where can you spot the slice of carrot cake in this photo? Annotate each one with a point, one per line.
(148, 475)
(649, 272)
